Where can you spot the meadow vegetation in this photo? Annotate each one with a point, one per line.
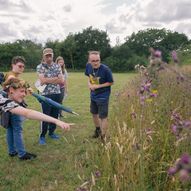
(150, 132)
(63, 164)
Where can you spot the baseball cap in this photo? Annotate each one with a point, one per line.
(47, 51)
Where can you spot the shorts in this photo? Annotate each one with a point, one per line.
(100, 108)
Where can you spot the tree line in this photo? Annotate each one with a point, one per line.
(122, 57)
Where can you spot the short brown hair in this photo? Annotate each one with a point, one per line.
(17, 59)
(93, 52)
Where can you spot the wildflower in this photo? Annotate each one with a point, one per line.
(97, 174)
(183, 166)
(184, 175)
(154, 93)
(175, 116)
(158, 53)
(174, 129)
(172, 170)
(142, 100)
(185, 159)
(186, 123)
(133, 115)
(149, 100)
(147, 86)
(174, 56)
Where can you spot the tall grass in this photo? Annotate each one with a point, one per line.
(142, 145)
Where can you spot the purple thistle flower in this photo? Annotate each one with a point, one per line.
(174, 55)
(172, 171)
(97, 174)
(153, 95)
(142, 100)
(158, 53)
(185, 159)
(186, 123)
(174, 129)
(147, 86)
(184, 175)
(175, 116)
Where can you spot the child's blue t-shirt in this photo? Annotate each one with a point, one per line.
(99, 76)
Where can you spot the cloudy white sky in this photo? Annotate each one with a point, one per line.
(40, 20)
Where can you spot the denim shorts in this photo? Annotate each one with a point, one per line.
(100, 108)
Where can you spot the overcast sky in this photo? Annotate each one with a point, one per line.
(40, 20)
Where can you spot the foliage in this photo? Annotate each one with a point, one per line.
(143, 144)
(74, 48)
(30, 50)
(162, 39)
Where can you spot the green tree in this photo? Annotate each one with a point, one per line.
(7, 52)
(68, 49)
(32, 52)
(162, 39)
(91, 39)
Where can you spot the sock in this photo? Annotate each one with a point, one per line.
(97, 128)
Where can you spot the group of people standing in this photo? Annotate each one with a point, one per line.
(53, 76)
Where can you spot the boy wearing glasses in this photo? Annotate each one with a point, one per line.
(18, 66)
(99, 82)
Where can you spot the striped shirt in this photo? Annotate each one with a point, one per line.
(7, 104)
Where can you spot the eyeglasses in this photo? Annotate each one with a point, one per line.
(94, 60)
(21, 66)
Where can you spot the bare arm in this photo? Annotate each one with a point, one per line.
(32, 114)
(54, 80)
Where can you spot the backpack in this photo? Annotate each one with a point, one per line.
(5, 119)
(4, 116)
(2, 78)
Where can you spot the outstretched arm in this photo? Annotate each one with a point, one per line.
(32, 114)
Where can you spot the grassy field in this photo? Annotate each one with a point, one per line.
(61, 165)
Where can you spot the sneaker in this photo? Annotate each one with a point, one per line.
(13, 154)
(54, 136)
(28, 156)
(42, 141)
(97, 133)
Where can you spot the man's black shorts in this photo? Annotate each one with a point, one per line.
(100, 108)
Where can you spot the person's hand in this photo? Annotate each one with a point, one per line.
(29, 91)
(42, 81)
(94, 86)
(64, 125)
